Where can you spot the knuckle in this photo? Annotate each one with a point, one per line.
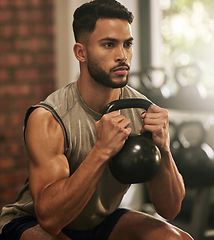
(122, 117)
(152, 106)
(165, 113)
(105, 117)
(160, 129)
(128, 131)
(96, 124)
(125, 134)
(114, 123)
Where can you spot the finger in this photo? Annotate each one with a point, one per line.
(112, 114)
(155, 121)
(128, 132)
(154, 109)
(154, 116)
(143, 115)
(125, 123)
(150, 128)
(118, 118)
(125, 134)
(152, 112)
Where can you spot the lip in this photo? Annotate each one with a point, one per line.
(122, 70)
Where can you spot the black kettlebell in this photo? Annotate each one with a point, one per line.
(195, 161)
(154, 80)
(139, 159)
(191, 89)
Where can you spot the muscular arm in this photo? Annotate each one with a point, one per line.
(59, 197)
(166, 190)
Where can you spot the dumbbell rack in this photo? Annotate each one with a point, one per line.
(198, 200)
(197, 224)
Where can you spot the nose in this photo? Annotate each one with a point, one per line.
(121, 55)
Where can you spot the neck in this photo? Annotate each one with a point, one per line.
(95, 95)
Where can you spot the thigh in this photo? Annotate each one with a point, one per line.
(37, 232)
(141, 226)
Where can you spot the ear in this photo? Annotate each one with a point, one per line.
(80, 52)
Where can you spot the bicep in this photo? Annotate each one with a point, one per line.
(45, 147)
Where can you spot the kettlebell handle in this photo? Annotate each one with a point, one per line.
(127, 103)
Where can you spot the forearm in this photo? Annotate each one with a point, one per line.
(167, 189)
(62, 201)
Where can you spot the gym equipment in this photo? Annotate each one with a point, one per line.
(188, 79)
(194, 160)
(154, 80)
(139, 159)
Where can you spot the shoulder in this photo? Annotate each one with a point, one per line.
(41, 117)
(61, 100)
(42, 123)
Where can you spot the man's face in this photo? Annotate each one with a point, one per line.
(109, 52)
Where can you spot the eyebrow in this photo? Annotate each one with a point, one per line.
(114, 39)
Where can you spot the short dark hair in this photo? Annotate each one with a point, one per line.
(86, 16)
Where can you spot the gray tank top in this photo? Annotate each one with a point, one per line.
(78, 124)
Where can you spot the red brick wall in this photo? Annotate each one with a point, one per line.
(27, 75)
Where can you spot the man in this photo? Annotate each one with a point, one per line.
(69, 144)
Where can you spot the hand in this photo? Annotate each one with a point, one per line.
(156, 120)
(112, 131)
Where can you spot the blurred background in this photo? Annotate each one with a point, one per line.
(173, 65)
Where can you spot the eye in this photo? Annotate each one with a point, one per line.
(128, 44)
(108, 44)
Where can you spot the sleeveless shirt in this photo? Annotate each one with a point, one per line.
(78, 124)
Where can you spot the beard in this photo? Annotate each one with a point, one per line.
(102, 77)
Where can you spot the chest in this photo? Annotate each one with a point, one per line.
(82, 134)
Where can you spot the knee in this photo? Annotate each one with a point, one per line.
(166, 232)
(177, 234)
(185, 236)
